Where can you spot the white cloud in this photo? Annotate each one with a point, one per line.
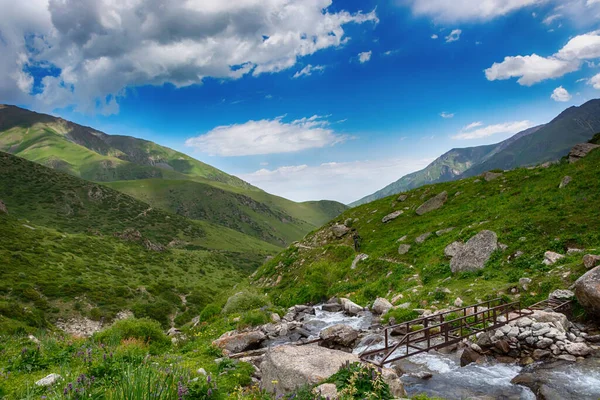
(341, 181)
(267, 137)
(434, 36)
(589, 3)
(473, 125)
(551, 18)
(390, 52)
(453, 36)
(446, 115)
(104, 46)
(364, 56)
(561, 94)
(467, 10)
(595, 81)
(533, 69)
(505, 128)
(308, 70)
(264, 164)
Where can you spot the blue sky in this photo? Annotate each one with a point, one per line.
(306, 99)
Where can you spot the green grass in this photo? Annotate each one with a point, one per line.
(524, 203)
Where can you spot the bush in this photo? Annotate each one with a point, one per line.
(402, 315)
(358, 381)
(209, 312)
(244, 301)
(145, 330)
(254, 318)
(158, 310)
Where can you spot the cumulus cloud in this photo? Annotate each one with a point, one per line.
(534, 68)
(595, 81)
(308, 70)
(341, 181)
(101, 47)
(561, 94)
(446, 115)
(467, 10)
(453, 36)
(267, 137)
(505, 128)
(364, 56)
(434, 36)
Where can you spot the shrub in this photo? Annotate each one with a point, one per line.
(158, 310)
(358, 381)
(209, 312)
(402, 315)
(146, 330)
(244, 301)
(254, 318)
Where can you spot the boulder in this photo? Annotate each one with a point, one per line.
(581, 150)
(433, 204)
(403, 249)
(562, 294)
(551, 257)
(357, 259)
(3, 208)
(422, 238)
(591, 260)
(381, 306)
(392, 216)
(565, 181)
(524, 283)
(350, 307)
(402, 197)
(393, 380)
(469, 356)
(559, 320)
(578, 349)
(490, 176)
(235, 342)
(326, 391)
(587, 291)
(339, 335)
(453, 249)
(48, 380)
(475, 253)
(339, 230)
(286, 368)
(332, 307)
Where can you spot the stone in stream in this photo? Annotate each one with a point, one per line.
(350, 307)
(433, 204)
(332, 307)
(286, 368)
(338, 337)
(469, 356)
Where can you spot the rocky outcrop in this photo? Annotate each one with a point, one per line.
(581, 150)
(587, 290)
(475, 253)
(392, 216)
(236, 342)
(339, 230)
(79, 327)
(339, 337)
(381, 306)
(433, 204)
(3, 208)
(591, 260)
(286, 368)
(453, 249)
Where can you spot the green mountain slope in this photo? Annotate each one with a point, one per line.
(524, 207)
(189, 187)
(67, 241)
(533, 146)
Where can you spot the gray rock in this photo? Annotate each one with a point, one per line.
(327, 391)
(402, 198)
(581, 150)
(525, 334)
(403, 249)
(339, 230)
(332, 307)
(3, 208)
(357, 259)
(469, 356)
(544, 343)
(48, 380)
(524, 283)
(288, 367)
(444, 231)
(433, 204)
(350, 307)
(578, 349)
(562, 294)
(587, 291)
(524, 322)
(591, 260)
(490, 176)
(338, 335)
(234, 342)
(567, 357)
(539, 354)
(381, 306)
(394, 382)
(392, 216)
(565, 181)
(423, 237)
(551, 257)
(475, 253)
(453, 249)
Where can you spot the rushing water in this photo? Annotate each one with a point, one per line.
(489, 380)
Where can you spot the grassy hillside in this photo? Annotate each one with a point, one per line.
(73, 247)
(532, 146)
(525, 207)
(189, 187)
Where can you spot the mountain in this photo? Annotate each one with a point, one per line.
(404, 258)
(67, 241)
(533, 146)
(159, 176)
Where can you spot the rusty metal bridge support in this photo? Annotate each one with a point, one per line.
(445, 329)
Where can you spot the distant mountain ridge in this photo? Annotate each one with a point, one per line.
(159, 176)
(532, 146)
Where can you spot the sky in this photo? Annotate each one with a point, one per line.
(306, 99)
